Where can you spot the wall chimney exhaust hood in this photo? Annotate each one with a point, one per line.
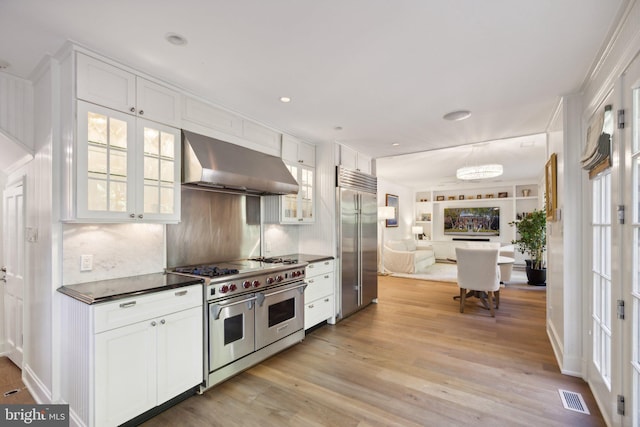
(216, 165)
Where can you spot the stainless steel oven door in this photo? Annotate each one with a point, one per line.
(231, 330)
(279, 312)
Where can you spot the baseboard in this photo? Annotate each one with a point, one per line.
(558, 351)
(38, 390)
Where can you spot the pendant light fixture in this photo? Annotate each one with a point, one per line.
(479, 172)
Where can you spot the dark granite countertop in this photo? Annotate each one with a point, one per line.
(113, 289)
(308, 258)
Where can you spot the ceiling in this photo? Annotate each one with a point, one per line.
(522, 158)
(366, 73)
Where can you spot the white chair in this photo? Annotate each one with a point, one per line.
(402, 256)
(478, 273)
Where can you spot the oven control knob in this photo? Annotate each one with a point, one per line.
(246, 284)
(256, 283)
(270, 280)
(224, 289)
(298, 273)
(233, 287)
(279, 278)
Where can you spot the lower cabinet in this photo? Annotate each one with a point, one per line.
(319, 295)
(145, 364)
(135, 354)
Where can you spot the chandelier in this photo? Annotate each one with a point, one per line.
(479, 172)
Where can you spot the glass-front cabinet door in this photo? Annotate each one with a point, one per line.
(160, 154)
(299, 208)
(105, 163)
(128, 169)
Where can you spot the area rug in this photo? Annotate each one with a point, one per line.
(444, 272)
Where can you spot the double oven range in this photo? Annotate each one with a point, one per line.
(253, 309)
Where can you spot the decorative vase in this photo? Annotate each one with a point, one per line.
(526, 192)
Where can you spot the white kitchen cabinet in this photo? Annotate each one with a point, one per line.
(297, 151)
(127, 168)
(293, 208)
(113, 87)
(131, 355)
(319, 295)
(353, 160)
(204, 114)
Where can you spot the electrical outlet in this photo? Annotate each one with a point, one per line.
(86, 262)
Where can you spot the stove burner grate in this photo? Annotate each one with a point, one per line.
(207, 270)
(275, 260)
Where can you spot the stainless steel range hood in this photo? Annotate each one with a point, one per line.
(217, 165)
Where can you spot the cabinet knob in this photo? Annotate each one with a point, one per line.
(310, 305)
(153, 323)
(132, 109)
(300, 161)
(162, 322)
(141, 112)
(140, 216)
(326, 300)
(132, 215)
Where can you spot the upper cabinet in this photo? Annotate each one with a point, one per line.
(297, 151)
(353, 160)
(127, 168)
(113, 87)
(300, 159)
(202, 117)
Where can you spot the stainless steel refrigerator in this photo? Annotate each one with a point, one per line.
(357, 239)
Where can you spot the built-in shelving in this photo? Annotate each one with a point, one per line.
(513, 200)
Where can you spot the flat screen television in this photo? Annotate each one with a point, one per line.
(472, 221)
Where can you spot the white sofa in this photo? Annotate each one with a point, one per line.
(402, 256)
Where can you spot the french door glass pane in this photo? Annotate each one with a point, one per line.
(601, 276)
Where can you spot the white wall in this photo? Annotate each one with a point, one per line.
(405, 209)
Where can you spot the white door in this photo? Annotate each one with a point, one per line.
(13, 269)
(631, 244)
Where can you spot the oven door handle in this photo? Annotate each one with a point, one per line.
(261, 297)
(217, 308)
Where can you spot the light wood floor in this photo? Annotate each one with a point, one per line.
(411, 360)
(10, 381)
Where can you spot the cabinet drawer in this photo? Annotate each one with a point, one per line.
(135, 309)
(317, 311)
(318, 286)
(321, 267)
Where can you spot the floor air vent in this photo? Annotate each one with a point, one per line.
(573, 401)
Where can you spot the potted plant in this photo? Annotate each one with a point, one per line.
(532, 240)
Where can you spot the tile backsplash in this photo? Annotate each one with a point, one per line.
(118, 250)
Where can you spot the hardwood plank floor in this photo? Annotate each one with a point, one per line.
(10, 381)
(411, 360)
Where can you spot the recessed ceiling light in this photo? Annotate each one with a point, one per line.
(175, 39)
(285, 99)
(395, 144)
(337, 128)
(457, 115)
(4, 64)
